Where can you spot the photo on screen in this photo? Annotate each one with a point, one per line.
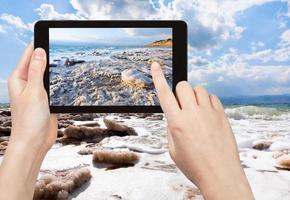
(107, 66)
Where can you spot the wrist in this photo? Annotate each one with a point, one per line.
(229, 181)
(27, 145)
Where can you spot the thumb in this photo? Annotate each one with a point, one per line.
(36, 68)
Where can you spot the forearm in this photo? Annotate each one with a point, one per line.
(19, 170)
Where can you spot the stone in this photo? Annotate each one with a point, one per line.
(114, 126)
(283, 163)
(136, 78)
(115, 157)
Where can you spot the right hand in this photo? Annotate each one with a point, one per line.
(200, 138)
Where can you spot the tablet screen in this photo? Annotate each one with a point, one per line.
(107, 66)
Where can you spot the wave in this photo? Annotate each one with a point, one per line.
(255, 112)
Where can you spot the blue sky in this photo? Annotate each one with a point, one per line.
(235, 47)
(109, 36)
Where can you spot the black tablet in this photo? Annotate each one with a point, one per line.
(104, 66)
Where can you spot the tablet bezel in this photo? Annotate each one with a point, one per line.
(179, 58)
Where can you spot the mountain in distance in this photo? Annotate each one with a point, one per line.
(161, 43)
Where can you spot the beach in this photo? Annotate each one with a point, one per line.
(262, 134)
(111, 75)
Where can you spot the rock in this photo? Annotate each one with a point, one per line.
(91, 132)
(72, 62)
(283, 163)
(59, 133)
(5, 113)
(5, 131)
(57, 185)
(3, 147)
(262, 145)
(155, 117)
(80, 100)
(64, 123)
(95, 53)
(136, 78)
(7, 123)
(115, 157)
(74, 132)
(114, 126)
(90, 124)
(52, 65)
(85, 151)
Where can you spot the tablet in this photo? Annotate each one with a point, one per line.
(104, 66)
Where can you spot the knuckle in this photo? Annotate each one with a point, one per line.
(200, 89)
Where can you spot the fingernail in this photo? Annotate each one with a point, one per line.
(38, 54)
(155, 66)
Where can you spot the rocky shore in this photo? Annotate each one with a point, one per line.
(115, 156)
(122, 78)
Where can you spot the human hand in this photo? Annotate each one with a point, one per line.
(200, 138)
(32, 124)
(33, 131)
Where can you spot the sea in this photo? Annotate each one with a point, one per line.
(58, 53)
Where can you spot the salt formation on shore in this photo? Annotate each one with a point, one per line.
(58, 184)
(263, 141)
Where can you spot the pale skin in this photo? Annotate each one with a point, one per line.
(201, 141)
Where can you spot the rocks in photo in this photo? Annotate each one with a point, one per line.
(120, 78)
(136, 78)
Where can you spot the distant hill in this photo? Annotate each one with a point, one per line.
(161, 43)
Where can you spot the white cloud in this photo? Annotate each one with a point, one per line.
(47, 12)
(231, 74)
(288, 4)
(14, 21)
(257, 45)
(285, 38)
(208, 26)
(2, 29)
(241, 79)
(111, 9)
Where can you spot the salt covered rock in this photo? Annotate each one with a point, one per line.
(115, 157)
(283, 163)
(136, 78)
(114, 126)
(262, 144)
(57, 185)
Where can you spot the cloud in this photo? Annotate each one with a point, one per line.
(2, 29)
(210, 22)
(47, 12)
(257, 45)
(231, 74)
(208, 27)
(241, 79)
(14, 21)
(285, 38)
(111, 9)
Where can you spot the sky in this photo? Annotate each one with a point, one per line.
(236, 48)
(108, 36)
